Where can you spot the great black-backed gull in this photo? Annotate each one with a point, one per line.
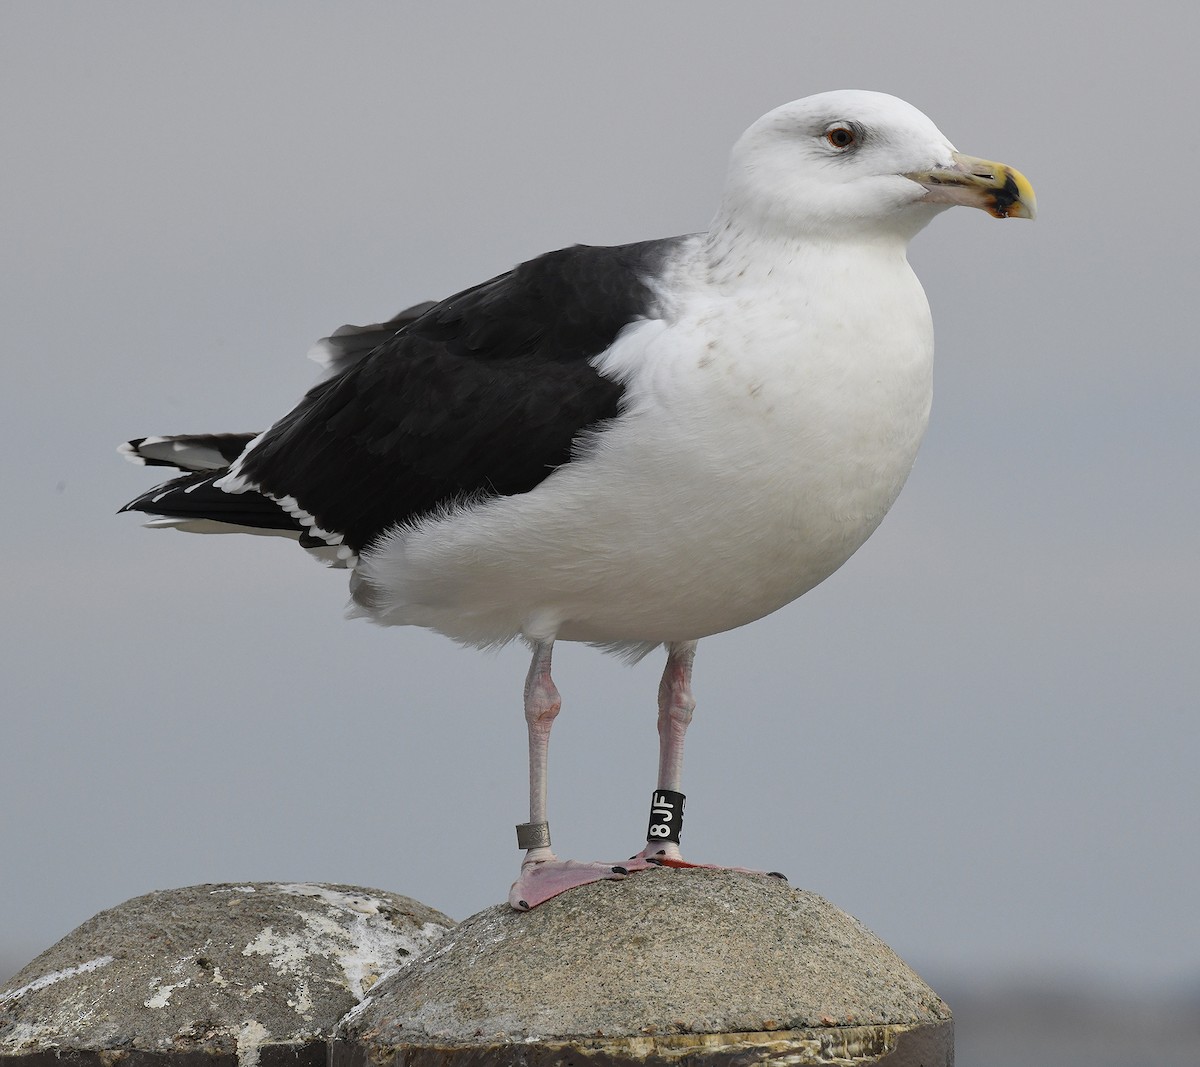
(631, 446)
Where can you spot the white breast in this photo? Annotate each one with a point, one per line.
(768, 431)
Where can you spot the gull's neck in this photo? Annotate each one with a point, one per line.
(739, 250)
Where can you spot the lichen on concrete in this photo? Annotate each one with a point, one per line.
(217, 969)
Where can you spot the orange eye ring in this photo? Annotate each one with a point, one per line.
(841, 136)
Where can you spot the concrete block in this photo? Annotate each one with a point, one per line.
(665, 967)
(254, 974)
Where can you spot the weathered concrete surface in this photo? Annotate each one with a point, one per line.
(256, 973)
(664, 967)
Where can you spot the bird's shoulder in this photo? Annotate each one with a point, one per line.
(559, 307)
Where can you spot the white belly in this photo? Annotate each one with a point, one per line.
(760, 454)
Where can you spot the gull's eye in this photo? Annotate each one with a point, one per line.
(841, 136)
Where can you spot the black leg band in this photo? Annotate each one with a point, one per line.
(666, 816)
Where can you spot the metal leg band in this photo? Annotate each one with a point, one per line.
(533, 835)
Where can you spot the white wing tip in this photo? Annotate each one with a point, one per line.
(129, 451)
(323, 353)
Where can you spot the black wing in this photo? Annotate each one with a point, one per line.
(483, 394)
(348, 344)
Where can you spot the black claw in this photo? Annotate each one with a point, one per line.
(523, 904)
(776, 874)
(619, 870)
(661, 852)
(651, 859)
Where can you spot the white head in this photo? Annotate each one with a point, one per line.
(857, 162)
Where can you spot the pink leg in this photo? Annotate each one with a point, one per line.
(675, 707)
(542, 705)
(543, 875)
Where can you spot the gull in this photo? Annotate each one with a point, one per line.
(634, 446)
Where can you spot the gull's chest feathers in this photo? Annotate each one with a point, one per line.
(804, 407)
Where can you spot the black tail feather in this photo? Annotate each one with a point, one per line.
(195, 497)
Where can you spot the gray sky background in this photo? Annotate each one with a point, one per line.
(980, 737)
